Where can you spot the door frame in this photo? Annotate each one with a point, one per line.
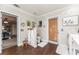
(1, 28)
(53, 42)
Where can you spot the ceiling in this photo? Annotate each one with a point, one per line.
(40, 9)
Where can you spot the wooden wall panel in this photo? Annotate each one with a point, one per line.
(53, 32)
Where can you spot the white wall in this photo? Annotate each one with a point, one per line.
(22, 17)
(60, 14)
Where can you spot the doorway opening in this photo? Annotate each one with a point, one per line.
(9, 30)
(53, 29)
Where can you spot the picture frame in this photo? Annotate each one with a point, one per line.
(73, 20)
(22, 24)
(40, 24)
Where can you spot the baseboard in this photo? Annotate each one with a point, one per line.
(53, 42)
(42, 44)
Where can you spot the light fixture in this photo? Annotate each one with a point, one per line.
(5, 21)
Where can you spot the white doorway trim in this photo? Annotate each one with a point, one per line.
(1, 30)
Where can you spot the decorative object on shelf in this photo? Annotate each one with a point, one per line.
(33, 24)
(73, 20)
(28, 23)
(22, 29)
(40, 23)
(25, 43)
(22, 24)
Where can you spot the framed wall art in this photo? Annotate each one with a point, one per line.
(73, 20)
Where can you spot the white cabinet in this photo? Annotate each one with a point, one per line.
(73, 43)
(32, 37)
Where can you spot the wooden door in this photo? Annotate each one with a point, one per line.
(53, 35)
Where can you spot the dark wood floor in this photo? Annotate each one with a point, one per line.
(49, 49)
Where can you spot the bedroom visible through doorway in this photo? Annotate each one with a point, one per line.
(9, 30)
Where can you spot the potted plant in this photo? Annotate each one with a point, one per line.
(28, 23)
